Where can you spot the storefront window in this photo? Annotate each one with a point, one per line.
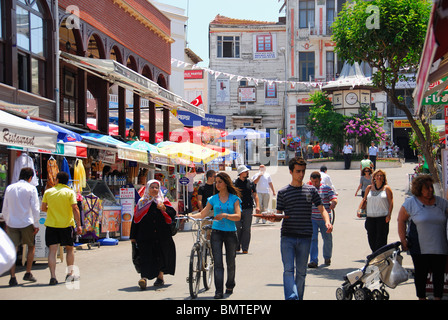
(31, 44)
(2, 44)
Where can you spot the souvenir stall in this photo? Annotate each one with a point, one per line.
(21, 144)
(112, 170)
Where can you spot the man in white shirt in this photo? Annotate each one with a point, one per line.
(21, 213)
(263, 181)
(325, 148)
(373, 153)
(190, 175)
(326, 179)
(347, 152)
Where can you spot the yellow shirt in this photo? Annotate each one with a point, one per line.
(59, 200)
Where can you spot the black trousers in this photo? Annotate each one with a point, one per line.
(425, 263)
(377, 232)
(347, 160)
(373, 159)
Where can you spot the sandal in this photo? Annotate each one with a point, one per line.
(159, 282)
(142, 283)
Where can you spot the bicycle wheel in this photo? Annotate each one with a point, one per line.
(209, 265)
(194, 275)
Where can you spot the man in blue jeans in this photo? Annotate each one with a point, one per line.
(329, 200)
(295, 201)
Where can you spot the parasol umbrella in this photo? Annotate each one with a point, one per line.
(222, 151)
(97, 137)
(162, 144)
(246, 133)
(189, 151)
(63, 134)
(143, 145)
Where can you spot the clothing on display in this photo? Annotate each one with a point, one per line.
(52, 171)
(91, 214)
(79, 176)
(24, 161)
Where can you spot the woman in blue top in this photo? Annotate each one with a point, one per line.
(226, 207)
(422, 222)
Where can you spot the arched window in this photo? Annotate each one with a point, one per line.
(31, 46)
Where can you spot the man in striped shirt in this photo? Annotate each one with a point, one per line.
(329, 200)
(295, 201)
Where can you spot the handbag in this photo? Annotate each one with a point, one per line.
(362, 213)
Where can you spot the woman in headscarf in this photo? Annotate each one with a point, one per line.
(151, 232)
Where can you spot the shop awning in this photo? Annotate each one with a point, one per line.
(64, 134)
(18, 132)
(66, 149)
(434, 60)
(124, 151)
(115, 72)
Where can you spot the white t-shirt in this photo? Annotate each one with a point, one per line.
(263, 183)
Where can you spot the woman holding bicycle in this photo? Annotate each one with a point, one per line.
(151, 231)
(226, 206)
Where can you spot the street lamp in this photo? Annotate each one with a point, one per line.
(282, 51)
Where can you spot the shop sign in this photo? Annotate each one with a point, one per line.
(107, 156)
(402, 124)
(434, 99)
(127, 193)
(193, 74)
(132, 155)
(247, 94)
(159, 159)
(184, 181)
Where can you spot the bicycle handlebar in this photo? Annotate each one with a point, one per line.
(194, 219)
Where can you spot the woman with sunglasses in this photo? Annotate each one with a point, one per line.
(365, 181)
(380, 203)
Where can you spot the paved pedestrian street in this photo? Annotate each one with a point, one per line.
(107, 273)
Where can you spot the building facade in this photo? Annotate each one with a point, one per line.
(311, 60)
(247, 63)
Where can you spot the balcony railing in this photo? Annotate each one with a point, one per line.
(312, 30)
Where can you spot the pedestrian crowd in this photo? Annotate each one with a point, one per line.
(305, 206)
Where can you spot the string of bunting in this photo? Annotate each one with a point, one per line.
(356, 81)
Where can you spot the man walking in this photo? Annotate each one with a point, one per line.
(263, 181)
(62, 211)
(295, 200)
(329, 200)
(21, 214)
(207, 189)
(248, 195)
(373, 153)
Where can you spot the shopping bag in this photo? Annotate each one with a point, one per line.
(394, 274)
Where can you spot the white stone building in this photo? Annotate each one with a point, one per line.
(248, 66)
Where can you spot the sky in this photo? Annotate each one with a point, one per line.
(201, 12)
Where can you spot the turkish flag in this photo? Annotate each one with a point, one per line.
(197, 101)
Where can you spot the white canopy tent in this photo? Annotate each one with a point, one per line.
(18, 132)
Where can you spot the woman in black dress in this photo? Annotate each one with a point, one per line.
(151, 232)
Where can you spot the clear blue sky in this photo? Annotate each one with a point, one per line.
(202, 12)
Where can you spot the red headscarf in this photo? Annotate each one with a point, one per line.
(142, 207)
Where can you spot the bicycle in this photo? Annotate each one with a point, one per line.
(201, 258)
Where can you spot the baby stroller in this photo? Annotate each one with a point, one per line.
(383, 268)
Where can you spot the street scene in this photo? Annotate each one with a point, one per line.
(192, 150)
(108, 272)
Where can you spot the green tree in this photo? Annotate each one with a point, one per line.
(389, 35)
(324, 122)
